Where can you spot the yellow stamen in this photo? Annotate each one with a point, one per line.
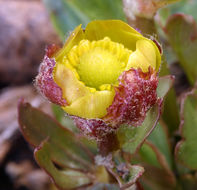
(98, 63)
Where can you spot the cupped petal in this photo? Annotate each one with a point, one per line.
(143, 57)
(74, 38)
(116, 30)
(120, 32)
(66, 79)
(93, 105)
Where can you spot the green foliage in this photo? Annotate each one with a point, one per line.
(58, 146)
(186, 149)
(67, 14)
(129, 173)
(156, 158)
(182, 34)
(64, 179)
(55, 144)
(131, 138)
(160, 139)
(183, 6)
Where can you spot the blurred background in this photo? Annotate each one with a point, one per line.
(25, 30)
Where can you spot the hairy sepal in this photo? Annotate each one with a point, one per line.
(44, 81)
(135, 95)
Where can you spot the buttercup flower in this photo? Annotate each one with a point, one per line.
(104, 76)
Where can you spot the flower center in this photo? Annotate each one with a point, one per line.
(99, 63)
(98, 67)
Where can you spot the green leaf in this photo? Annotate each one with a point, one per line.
(186, 149)
(56, 145)
(127, 175)
(131, 138)
(148, 156)
(67, 14)
(68, 123)
(38, 126)
(157, 179)
(160, 139)
(65, 120)
(135, 173)
(189, 181)
(184, 6)
(158, 174)
(170, 109)
(182, 34)
(164, 85)
(103, 187)
(64, 179)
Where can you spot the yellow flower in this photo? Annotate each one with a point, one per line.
(89, 70)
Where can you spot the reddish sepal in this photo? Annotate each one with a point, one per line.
(45, 83)
(93, 128)
(51, 50)
(135, 95)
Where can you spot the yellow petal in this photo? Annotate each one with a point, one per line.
(74, 38)
(93, 105)
(158, 56)
(143, 57)
(66, 79)
(116, 30)
(148, 51)
(77, 71)
(120, 32)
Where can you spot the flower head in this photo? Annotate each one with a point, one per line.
(105, 74)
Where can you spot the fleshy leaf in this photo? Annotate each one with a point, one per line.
(165, 83)
(182, 34)
(135, 173)
(66, 14)
(131, 138)
(186, 149)
(67, 122)
(153, 156)
(160, 139)
(183, 6)
(104, 186)
(56, 145)
(129, 178)
(125, 174)
(64, 179)
(147, 155)
(170, 108)
(62, 118)
(158, 174)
